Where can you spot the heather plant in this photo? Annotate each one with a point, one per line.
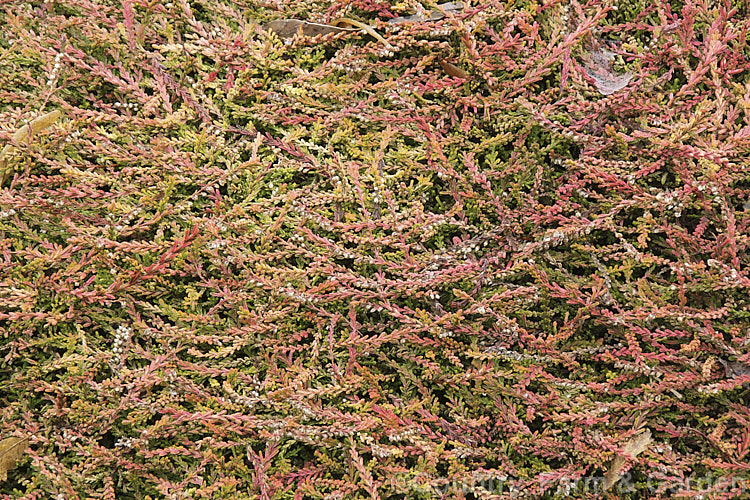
(502, 254)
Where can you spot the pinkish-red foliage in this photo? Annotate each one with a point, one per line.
(246, 267)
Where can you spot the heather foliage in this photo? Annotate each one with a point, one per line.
(512, 243)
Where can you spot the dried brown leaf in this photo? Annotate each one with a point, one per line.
(28, 131)
(346, 22)
(453, 70)
(598, 66)
(734, 369)
(634, 447)
(287, 28)
(432, 15)
(11, 450)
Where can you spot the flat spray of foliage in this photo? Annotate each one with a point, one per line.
(505, 251)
